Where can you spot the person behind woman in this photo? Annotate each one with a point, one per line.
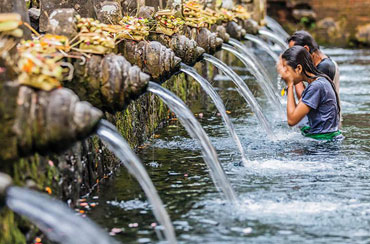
(322, 62)
(319, 99)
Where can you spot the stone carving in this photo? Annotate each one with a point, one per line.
(235, 30)
(152, 57)
(184, 48)
(108, 82)
(205, 39)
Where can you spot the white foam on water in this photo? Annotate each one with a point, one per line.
(292, 208)
(294, 166)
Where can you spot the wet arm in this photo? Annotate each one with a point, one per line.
(299, 90)
(295, 113)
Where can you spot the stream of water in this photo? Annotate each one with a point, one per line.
(208, 88)
(262, 44)
(248, 52)
(261, 80)
(275, 38)
(244, 91)
(294, 190)
(54, 218)
(115, 142)
(276, 27)
(196, 131)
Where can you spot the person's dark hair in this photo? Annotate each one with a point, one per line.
(303, 38)
(299, 55)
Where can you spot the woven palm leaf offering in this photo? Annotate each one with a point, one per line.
(211, 17)
(167, 23)
(40, 65)
(133, 28)
(9, 25)
(9, 37)
(241, 13)
(227, 15)
(94, 37)
(193, 14)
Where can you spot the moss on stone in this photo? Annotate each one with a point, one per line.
(9, 229)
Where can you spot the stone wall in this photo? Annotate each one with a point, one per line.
(344, 22)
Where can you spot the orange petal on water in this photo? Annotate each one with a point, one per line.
(48, 190)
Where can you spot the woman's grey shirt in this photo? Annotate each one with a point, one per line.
(320, 97)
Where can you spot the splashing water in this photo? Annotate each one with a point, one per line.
(265, 46)
(208, 88)
(243, 90)
(275, 38)
(54, 218)
(252, 68)
(115, 142)
(196, 131)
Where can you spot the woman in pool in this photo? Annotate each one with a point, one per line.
(319, 100)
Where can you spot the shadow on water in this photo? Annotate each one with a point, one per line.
(294, 190)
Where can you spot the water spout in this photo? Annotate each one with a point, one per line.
(275, 38)
(196, 131)
(263, 45)
(252, 68)
(243, 91)
(208, 88)
(257, 61)
(276, 27)
(54, 218)
(115, 142)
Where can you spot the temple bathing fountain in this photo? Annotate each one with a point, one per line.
(78, 80)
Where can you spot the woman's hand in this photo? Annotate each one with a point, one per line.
(283, 72)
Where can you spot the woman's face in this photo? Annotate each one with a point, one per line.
(288, 73)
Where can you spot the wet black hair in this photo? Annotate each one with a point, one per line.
(303, 38)
(299, 55)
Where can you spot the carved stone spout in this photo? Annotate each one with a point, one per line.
(221, 32)
(205, 39)
(235, 30)
(184, 48)
(152, 57)
(51, 121)
(250, 26)
(39, 121)
(109, 82)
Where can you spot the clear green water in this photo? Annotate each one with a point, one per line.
(294, 190)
